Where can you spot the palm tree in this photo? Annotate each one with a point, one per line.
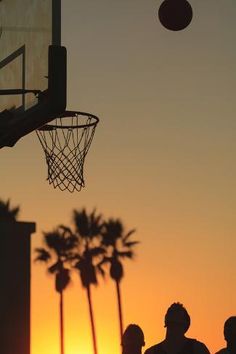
(7, 213)
(87, 259)
(119, 247)
(59, 245)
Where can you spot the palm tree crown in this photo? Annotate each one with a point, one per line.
(7, 213)
(59, 246)
(118, 246)
(88, 230)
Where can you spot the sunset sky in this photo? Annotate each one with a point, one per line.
(163, 160)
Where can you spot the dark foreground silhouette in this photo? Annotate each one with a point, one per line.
(230, 336)
(177, 322)
(132, 340)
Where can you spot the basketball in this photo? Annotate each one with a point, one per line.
(175, 15)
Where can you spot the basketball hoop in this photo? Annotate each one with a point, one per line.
(66, 141)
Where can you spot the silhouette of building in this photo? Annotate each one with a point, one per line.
(15, 245)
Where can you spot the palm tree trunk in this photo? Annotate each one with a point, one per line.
(119, 308)
(92, 320)
(61, 323)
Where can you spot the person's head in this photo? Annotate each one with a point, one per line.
(230, 330)
(132, 339)
(177, 319)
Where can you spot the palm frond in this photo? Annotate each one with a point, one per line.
(96, 251)
(111, 232)
(130, 243)
(125, 254)
(101, 270)
(106, 260)
(81, 222)
(87, 225)
(55, 267)
(43, 255)
(61, 240)
(96, 224)
(66, 229)
(53, 241)
(127, 236)
(7, 213)
(113, 228)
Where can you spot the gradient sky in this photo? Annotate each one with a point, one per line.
(162, 160)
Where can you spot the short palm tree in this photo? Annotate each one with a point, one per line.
(119, 246)
(59, 245)
(87, 258)
(7, 213)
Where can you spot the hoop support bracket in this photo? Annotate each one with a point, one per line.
(18, 92)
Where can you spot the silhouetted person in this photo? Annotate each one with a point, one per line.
(230, 336)
(132, 340)
(177, 322)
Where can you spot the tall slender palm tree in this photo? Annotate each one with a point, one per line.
(7, 213)
(88, 256)
(59, 245)
(119, 246)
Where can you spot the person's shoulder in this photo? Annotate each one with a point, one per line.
(200, 348)
(223, 351)
(153, 350)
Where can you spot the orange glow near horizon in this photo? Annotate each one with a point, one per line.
(146, 308)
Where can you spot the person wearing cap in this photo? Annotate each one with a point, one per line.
(177, 322)
(132, 340)
(230, 336)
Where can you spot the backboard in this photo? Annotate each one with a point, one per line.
(32, 66)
